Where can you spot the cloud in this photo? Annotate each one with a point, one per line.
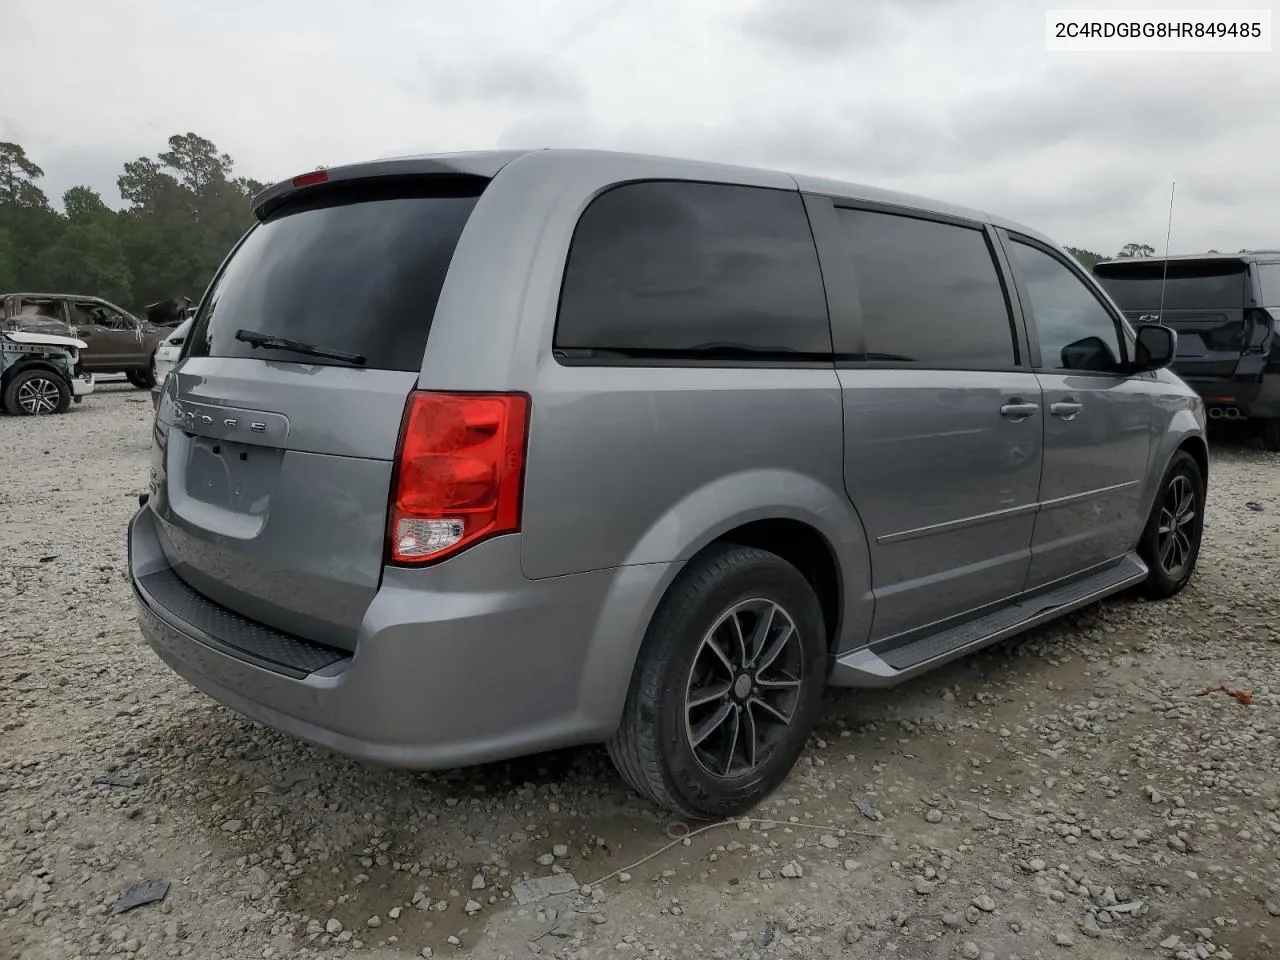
(808, 27)
(956, 99)
(517, 78)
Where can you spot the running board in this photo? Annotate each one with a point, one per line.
(868, 667)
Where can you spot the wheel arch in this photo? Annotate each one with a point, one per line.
(36, 363)
(1184, 432)
(823, 538)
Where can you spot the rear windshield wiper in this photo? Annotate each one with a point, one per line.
(255, 340)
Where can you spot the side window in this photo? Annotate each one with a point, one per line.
(1075, 330)
(80, 314)
(113, 319)
(39, 307)
(681, 269)
(930, 292)
(1269, 280)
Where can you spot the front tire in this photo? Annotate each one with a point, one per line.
(1170, 543)
(727, 685)
(33, 393)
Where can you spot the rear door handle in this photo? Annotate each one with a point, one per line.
(1066, 409)
(1017, 410)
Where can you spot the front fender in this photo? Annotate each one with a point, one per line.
(1183, 421)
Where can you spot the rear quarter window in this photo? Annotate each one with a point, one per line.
(1269, 281)
(682, 269)
(357, 270)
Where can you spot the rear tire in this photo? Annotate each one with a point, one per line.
(37, 392)
(142, 378)
(1271, 435)
(1170, 543)
(712, 725)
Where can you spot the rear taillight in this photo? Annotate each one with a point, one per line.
(458, 473)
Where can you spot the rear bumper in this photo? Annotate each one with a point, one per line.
(1257, 397)
(82, 385)
(457, 664)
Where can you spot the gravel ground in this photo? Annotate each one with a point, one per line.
(1064, 795)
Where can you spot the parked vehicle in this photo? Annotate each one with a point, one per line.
(166, 356)
(118, 342)
(1226, 309)
(40, 371)
(479, 455)
(169, 313)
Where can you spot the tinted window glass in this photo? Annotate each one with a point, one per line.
(355, 272)
(1076, 332)
(1191, 285)
(930, 292)
(1269, 279)
(693, 267)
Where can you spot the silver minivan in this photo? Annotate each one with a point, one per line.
(479, 455)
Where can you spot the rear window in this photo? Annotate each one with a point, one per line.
(1191, 285)
(355, 270)
(671, 269)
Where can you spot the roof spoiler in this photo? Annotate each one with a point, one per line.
(482, 164)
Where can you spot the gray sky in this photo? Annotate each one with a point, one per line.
(956, 99)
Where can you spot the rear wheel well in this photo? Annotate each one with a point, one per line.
(805, 549)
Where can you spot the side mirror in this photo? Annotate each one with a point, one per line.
(1089, 353)
(1156, 347)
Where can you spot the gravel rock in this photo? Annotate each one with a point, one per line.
(1077, 758)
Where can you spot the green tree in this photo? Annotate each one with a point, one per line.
(86, 258)
(27, 222)
(18, 175)
(85, 205)
(197, 162)
(185, 212)
(1136, 250)
(1086, 258)
(184, 209)
(8, 262)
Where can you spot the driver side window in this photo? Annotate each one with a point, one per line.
(106, 317)
(1074, 329)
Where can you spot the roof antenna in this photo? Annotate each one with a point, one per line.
(1168, 235)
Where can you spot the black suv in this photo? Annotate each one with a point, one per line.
(1226, 309)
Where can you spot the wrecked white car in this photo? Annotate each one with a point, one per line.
(40, 372)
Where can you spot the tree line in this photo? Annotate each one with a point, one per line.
(184, 209)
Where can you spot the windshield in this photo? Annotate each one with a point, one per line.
(358, 271)
(1211, 285)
